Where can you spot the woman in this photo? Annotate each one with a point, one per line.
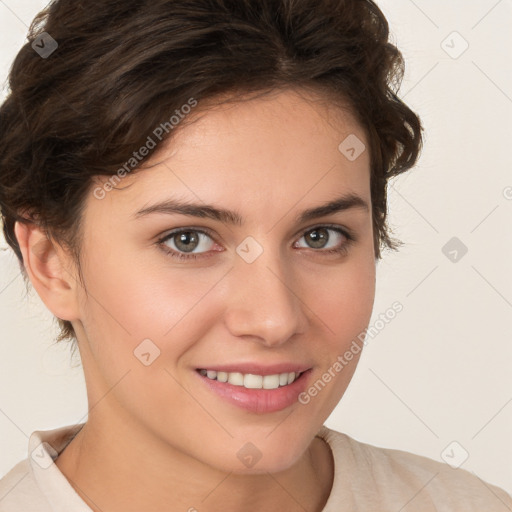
(197, 191)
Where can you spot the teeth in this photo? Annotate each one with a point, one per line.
(251, 381)
(271, 382)
(237, 379)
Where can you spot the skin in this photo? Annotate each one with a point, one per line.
(156, 438)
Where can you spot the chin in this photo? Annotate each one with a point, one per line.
(249, 460)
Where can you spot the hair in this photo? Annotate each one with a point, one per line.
(122, 67)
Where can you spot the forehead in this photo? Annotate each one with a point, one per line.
(263, 151)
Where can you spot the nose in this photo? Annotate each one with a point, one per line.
(263, 304)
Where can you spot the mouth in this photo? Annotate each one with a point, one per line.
(254, 392)
(250, 380)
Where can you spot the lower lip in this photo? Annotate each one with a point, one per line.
(259, 400)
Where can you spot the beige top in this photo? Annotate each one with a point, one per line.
(366, 479)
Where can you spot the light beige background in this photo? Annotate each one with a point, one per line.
(440, 370)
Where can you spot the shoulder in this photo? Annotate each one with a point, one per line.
(35, 484)
(19, 491)
(391, 478)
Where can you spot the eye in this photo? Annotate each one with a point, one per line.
(328, 238)
(187, 243)
(192, 243)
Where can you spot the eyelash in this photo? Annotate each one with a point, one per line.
(342, 251)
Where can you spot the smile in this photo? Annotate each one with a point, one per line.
(251, 381)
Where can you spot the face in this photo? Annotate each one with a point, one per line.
(263, 291)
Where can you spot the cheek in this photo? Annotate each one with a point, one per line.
(130, 298)
(142, 321)
(344, 305)
(343, 299)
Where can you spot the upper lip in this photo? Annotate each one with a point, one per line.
(257, 369)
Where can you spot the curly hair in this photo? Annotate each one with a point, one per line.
(119, 67)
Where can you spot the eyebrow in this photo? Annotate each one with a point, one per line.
(174, 206)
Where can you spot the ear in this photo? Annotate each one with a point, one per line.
(50, 270)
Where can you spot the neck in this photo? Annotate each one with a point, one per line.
(116, 465)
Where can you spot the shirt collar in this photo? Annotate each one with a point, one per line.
(44, 446)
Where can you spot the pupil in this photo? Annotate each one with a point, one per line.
(185, 240)
(319, 237)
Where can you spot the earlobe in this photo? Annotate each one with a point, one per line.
(48, 267)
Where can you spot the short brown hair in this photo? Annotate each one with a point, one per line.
(123, 66)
